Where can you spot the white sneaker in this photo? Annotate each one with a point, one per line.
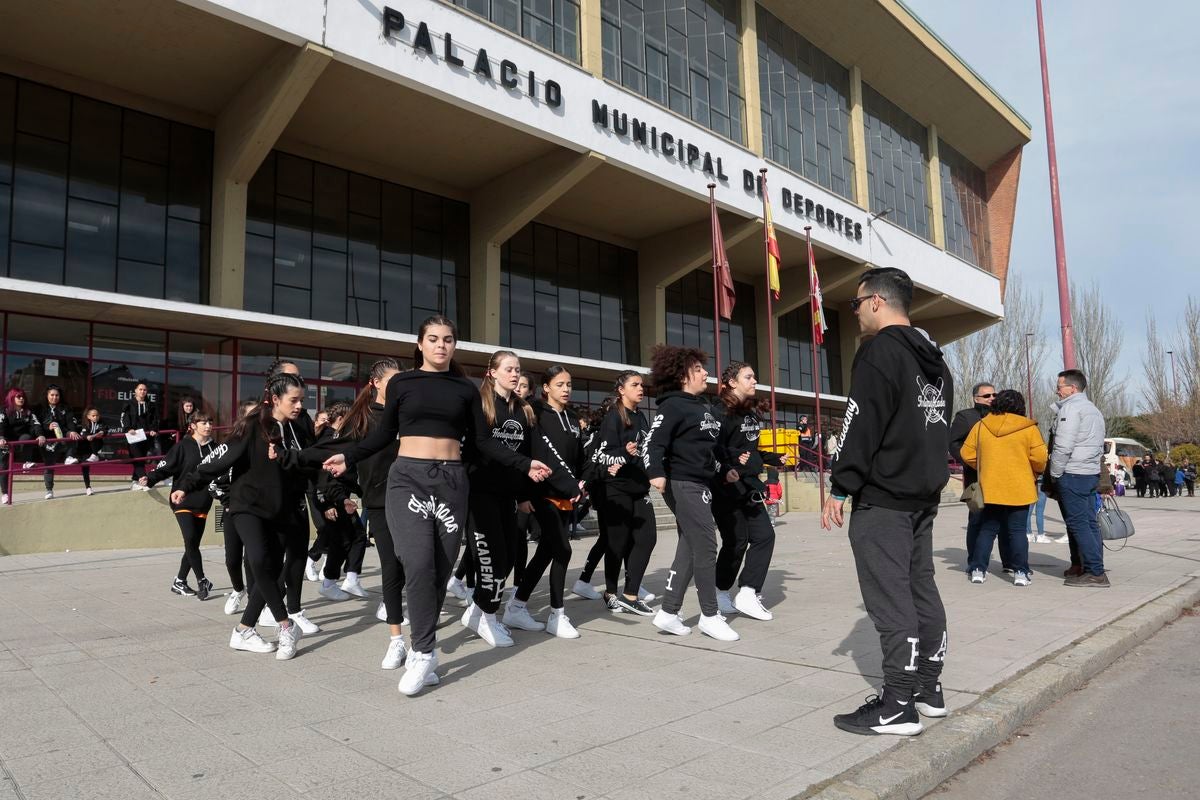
(289, 641)
(311, 573)
(144, 488)
(1021, 579)
(332, 592)
(749, 603)
(520, 618)
(418, 673)
(266, 620)
(354, 587)
(716, 627)
(1064, 539)
(1043, 539)
(671, 623)
(50, 495)
(457, 588)
(28, 465)
(234, 602)
(491, 631)
(725, 604)
(306, 625)
(585, 590)
(978, 576)
(646, 596)
(93, 458)
(381, 612)
(470, 618)
(89, 491)
(394, 656)
(250, 641)
(4, 498)
(69, 460)
(133, 487)
(559, 624)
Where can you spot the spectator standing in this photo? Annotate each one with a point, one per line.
(1139, 476)
(1077, 436)
(1189, 477)
(965, 420)
(1007, 450)
(892, 460)
(1154, 478)
(808, 443)
(1120, 480)
(1179, 481)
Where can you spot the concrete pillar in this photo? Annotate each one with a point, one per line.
(858, 140)
(245, 131)
(502, 207)
(667, 257)
(591, 48)
(750, 86)
(935, 190)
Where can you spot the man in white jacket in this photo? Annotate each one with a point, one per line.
(1077, 437)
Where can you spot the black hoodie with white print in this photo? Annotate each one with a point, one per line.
(179, 461)
(558, 443)
(892, 447)
(682, 439)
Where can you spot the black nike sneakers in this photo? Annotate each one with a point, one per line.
(930, 702)
(181, 588)
(885, 714)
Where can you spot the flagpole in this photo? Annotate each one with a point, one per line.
(770, 313)
(812, 301)
(712, 204)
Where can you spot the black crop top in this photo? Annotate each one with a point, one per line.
(440, 405)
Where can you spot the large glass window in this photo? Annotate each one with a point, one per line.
(323, 243)
(683, 54)
(964, 207)
(101, 197)
(553, 24)
(897, 163)
(794, 334)
(805, 107)
(565, 293)
(690, 319)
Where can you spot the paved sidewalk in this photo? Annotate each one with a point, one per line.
(110, 686)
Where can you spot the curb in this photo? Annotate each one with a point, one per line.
(920, 765)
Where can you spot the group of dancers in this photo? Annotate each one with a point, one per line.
(435, 460)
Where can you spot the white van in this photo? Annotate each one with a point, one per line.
(1127, 451)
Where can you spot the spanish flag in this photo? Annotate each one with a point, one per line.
(818, 302)
(772, 243)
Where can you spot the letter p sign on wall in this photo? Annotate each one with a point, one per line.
(393, 21)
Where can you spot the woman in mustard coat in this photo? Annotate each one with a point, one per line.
(1010, 449)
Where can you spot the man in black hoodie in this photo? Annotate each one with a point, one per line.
(891, 459)
(964, 421)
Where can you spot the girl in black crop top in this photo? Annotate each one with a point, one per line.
(436, 411)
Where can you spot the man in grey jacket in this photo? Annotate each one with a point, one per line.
(1077, 436)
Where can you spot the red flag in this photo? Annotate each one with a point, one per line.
(818, 302)
(726, 297)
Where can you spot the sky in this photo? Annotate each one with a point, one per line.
(1126, 104)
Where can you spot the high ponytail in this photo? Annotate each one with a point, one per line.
(455, 368)
(277, 385)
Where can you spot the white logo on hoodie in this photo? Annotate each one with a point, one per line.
(931, 401)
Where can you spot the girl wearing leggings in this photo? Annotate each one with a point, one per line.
(266, 503)
(191, 511)
(680, 463)
(595, 490)
(433, 409)
(235, 553)
(557, 441)
(739, 500)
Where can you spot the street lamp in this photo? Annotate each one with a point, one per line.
(1174, 378)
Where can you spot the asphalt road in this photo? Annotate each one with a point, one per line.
(1131, 732)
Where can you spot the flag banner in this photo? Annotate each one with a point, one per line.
(818, 302)
(772, 243)
(726, 297)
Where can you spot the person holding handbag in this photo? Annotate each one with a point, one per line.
(1006, 448)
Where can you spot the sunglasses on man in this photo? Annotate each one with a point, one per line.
(858, 301)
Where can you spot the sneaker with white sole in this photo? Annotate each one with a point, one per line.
(28, 465)
(457, 588)
(89, 491)
(725, 603)
(633, 606)
(234, 602)
(1064, 539)
(381, 612)
(354, 588)
(559, 624)
(419, 672)
(670, 623)
(332, 592)
(266, 620)
(394, 657)
(645, 595)
(717, 628)
(311, 573)
(519, 617)
(93, 458)
(749, 603)
(204, 588)
(249, 641)
(1043, 539)
(978, 576)
(306, 625)
(182, 589)
(882, 714)
(585, 590)
(930, 702)
(470, 618)
(4, 498)
(69, 460)
(1021, 578)
(492, 631)
(289, 641)
(610, 602)
(50, 495)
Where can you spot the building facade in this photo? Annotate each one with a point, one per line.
(190, 189)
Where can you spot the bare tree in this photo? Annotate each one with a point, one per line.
(1098, 340)
(1171, 417)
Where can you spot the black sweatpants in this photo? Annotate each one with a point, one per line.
(389, 565)
(139, 450)
(345, 546)
(192, 528)
(426, 513)
(234, 553)
(632, 535)
(553, 551)
(893, 553)
(264, 556)
(293, 538)
(493, 528)
(53, 454)
(696, 551)
(746, 531)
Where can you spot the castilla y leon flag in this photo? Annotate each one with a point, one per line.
(726, 297)
(772, 244)
(818, 302)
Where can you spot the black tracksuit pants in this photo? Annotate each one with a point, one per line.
(139, 450)
(53, 455)
(426, 514)
(192, 528)
(345, 546)
(632, 535)
(553, 551)
(389, 565)
(893, 553)
(696, 551)
(492, 530)
(235, 553)
(746, 532)
(263, 541)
